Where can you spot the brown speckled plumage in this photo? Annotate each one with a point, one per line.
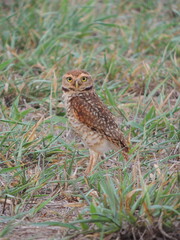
(90, 117)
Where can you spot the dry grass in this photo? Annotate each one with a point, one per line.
(132, 50)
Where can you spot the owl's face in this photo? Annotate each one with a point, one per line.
(77, 80)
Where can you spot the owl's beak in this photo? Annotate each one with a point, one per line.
(76, 84)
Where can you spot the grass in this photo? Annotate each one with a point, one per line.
(132, 50)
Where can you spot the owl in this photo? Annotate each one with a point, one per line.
(90, 118)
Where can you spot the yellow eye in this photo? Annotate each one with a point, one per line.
(69, 79)
(84, 79)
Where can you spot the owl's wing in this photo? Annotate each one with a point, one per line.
(89, 110)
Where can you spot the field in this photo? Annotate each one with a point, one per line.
(132, 50)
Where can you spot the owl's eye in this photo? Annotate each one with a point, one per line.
(84, 79)
(69, 79)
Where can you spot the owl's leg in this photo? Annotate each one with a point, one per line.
(93, 158)
(125, 155)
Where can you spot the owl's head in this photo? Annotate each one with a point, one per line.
(77, 80)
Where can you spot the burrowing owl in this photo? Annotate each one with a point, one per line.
(90, 118)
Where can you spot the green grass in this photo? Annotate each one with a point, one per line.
(132, 50)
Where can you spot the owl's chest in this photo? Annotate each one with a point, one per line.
(87, 135)
(92, 138)
(73, 120)
(80, 128)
